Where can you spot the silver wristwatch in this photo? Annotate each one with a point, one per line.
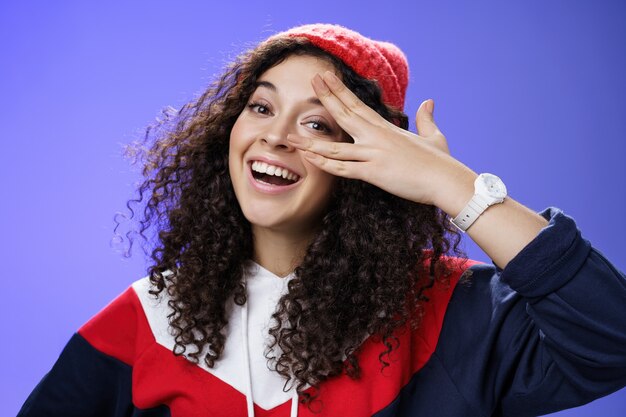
(488, 190)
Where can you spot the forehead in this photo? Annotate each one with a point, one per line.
(297, 68)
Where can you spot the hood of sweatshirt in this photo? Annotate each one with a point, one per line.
(263, 290)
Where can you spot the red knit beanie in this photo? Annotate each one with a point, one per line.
(371, 59)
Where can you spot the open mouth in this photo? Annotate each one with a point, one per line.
(272, 177)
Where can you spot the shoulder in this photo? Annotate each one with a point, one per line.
(121, 329)
(467, 278)
(443, 292)
(482, 316)
(459, 272)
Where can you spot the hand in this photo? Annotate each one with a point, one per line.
(416, 167)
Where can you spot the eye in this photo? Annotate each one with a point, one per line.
(318, 125)
(258, 108)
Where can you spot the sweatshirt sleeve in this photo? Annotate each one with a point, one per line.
(545, 334)
(93, 374)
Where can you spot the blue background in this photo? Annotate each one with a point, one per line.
(533, 91)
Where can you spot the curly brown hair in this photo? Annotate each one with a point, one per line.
(363, 269)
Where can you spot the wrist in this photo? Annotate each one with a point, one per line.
(458, 190)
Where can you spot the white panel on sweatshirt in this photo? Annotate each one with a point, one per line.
(264, 289)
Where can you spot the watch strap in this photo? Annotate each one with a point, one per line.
(474, 208)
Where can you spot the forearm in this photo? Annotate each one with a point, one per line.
(503, 230)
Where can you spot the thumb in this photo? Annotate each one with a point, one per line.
(424, 119)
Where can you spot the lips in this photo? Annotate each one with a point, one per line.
(267, 188)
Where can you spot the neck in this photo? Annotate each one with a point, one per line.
(277, 251)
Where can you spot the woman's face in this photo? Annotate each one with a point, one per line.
(284, 102)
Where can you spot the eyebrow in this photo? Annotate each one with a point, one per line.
(272, 87)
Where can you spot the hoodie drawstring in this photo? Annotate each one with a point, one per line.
(246, 361)
(294, 404)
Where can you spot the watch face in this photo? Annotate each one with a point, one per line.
(494, 186)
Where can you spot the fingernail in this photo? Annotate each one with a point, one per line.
(318, 81)
(331, 78)
(430, 105)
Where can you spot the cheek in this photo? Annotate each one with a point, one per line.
(320, 175)
(236, 142)
(324, 184)
(235, 133)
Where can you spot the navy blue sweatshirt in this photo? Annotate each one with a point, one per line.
(546, 333)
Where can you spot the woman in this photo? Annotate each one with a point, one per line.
(301, 267)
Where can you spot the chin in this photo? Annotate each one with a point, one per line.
(264, 219)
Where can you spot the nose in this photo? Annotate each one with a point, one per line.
(276, 133)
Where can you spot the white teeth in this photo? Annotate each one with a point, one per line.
(265, 168)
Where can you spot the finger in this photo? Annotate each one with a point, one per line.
(349, 99)
(346, 169)
(335, 150)
(427, 128)
(346, 115)
(424, 119)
